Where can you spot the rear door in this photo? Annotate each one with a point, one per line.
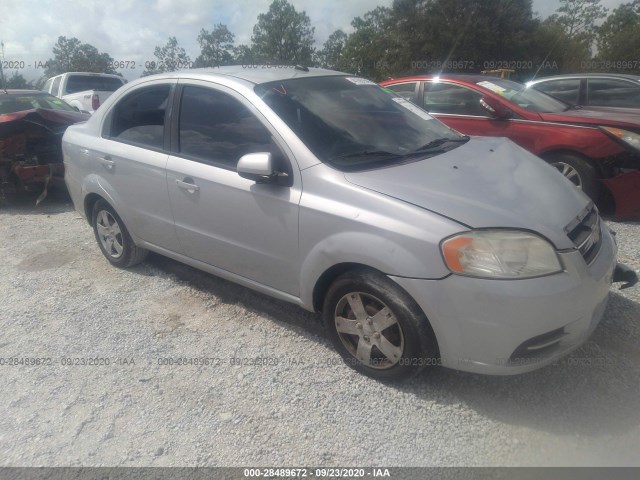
(131, 158)
(222, 219)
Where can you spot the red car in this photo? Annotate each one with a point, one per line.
(590, 148)
(31, 127)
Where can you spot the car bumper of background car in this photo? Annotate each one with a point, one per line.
(503, 327)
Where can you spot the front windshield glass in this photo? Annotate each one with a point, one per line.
(353, 124)
(524, 97)
(18, 103)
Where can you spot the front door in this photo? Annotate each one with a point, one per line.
(222, 219)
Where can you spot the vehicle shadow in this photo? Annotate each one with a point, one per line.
(593, 391)
(305, 323)
(57, 201)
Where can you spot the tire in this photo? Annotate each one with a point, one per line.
(397, 345)
(578, 171)
(113, 237)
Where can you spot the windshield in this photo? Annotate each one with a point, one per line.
(524, 97)
(353, 124)
(19, 103)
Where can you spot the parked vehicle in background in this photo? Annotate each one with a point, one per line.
(593, 90)
(82, 90)
(421, 246)
(590, 148)
(31, 127)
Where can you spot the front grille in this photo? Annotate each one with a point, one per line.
(584, 232)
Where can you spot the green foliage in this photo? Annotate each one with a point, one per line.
(579, 17)
(17, 81)
(71, 55)
(331, 54)
(169, 58)
(368, 49)
(619, 36)
(283, 36)
(216, 47)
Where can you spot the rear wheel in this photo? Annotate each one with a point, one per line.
(113, 238)
(378, 328)
(578, 171)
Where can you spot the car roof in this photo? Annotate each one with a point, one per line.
(254, 74)
(15, 91)
(471, 78)
(623, 76)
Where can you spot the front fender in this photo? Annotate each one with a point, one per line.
(365, 249)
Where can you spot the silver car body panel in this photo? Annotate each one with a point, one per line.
(281, 240)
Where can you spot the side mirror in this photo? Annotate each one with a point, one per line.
(256, 167)
(494, 108)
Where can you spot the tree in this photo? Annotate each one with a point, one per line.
(331, 54)
(169, 58)
(216, 47)
(579, 17)
(18, 81)
(243, 55)
(283, 35)
(71, 55)
(557, 51)
(368, 48)
(618, 38)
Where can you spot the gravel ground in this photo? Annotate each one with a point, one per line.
(61, 299)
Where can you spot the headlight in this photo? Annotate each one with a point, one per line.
(630, 139)
(500, 254)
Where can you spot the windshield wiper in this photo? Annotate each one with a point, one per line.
(367, 153)
(438, 143)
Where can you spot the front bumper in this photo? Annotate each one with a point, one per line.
(503, 327)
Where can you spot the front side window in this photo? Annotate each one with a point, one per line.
(604, 92)
(353, 124)
(405, 90)
(217, 128)
(139, 118)
(527, 98)
(452, 99)
(566, 90)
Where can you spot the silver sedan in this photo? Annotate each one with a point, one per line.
(420, 246)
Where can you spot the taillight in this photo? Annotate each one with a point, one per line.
(95, 101)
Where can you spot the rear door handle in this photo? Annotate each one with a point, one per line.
(187, 185)
(107, 162)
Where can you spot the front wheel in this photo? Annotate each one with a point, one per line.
(113, 238)
(378, 328)
(578, 171)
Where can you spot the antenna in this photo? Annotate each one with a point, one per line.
(2, 79)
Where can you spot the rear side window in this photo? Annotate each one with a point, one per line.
(566, 90)
(80, 83)
(56, 85)
(217, 128)
(139, 118)
(604, 92)
(47, 86)
(452, 99)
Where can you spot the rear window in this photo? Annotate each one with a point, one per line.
(80, 83)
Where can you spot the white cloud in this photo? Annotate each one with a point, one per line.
(131, 29)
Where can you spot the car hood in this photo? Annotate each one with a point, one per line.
(487, 182)
(604, 117)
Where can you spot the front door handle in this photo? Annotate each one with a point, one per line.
(107, 162)
(187, 185)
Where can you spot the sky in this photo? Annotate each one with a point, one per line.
(129, 30)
